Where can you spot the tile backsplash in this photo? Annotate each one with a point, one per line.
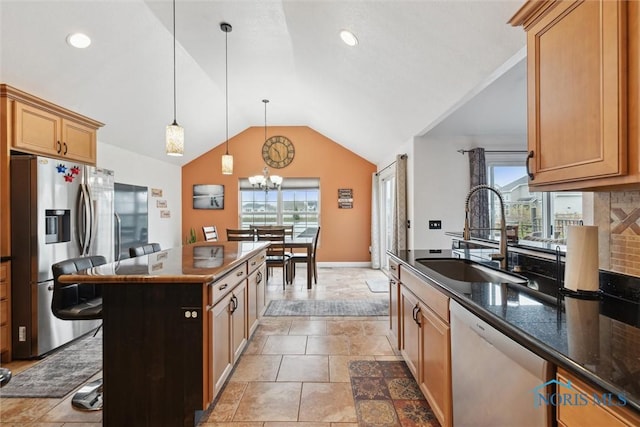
(617, 214)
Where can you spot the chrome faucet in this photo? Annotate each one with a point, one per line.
(502, 256)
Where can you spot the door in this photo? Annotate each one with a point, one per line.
(78, 142)
(221, 341)
(436, 365)
(387, 191)
(238, 321)
(577, 92)
(36, 130)
(410, 331)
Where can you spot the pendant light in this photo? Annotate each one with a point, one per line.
(265, 181)
(175, 133)
(227, 159)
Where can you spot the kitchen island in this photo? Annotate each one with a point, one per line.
(592, 340)
(175, 322)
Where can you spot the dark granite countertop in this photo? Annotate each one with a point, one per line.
(596, 339)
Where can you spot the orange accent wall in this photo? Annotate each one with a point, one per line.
(345, 234)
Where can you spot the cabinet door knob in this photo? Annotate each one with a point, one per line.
(526, 164)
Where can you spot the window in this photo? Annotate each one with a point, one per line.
(297, 203)
(538, 215)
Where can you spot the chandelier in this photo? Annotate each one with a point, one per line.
(266, 181)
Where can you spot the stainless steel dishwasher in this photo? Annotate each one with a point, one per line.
(494, 377)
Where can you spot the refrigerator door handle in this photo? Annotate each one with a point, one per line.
(84, 220)
(119, 236)
(92, 219)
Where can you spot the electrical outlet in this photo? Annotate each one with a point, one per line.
(435, 224)
(22, 333)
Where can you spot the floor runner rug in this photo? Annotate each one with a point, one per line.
(378, 285)
(60, 372)
(387, 395)
(373, 307)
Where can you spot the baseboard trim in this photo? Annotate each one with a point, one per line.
(344, 264)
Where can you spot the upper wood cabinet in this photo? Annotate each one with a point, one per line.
(582, 93)
(39, 127)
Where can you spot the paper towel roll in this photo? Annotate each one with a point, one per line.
(581, 267)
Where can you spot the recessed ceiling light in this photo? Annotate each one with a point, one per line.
(348, 37)
(78, 40)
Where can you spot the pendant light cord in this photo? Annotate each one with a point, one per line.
(175, 123)
(266, 101)
(226, 85)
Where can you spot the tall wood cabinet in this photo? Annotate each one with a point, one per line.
(582, 93)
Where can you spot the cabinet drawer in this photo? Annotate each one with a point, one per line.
(4, 338)
(394, 268)
(255, 262)
(4, 312)
(4, 272)
(591, 414)
(223, 286)
(436, 300)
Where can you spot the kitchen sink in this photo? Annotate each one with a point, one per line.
(465, 270)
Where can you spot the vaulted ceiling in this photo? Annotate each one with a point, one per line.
(415, 60)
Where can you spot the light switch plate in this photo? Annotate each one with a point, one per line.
(435, 224)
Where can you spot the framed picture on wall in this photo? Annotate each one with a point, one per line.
(208, 196)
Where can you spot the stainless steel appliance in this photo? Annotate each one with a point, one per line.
(59, 210)
(132, 223)
(494, 378)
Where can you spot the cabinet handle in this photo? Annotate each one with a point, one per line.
(59, 147)
(230, 307)
(392, 267)
(391, 281)
(416, 310)
(65, 148)
(239, 273)
(526, 164)
(259, 278)
(221, 287)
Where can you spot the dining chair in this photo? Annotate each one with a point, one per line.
(277, 256)
(210, 233)
(303, 258)
(240, 234)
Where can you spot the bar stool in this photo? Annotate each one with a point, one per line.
(79, 301)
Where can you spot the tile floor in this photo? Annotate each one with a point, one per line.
(294, 371)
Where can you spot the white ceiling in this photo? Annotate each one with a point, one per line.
(415, 61)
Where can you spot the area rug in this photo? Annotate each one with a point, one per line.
(374, 307)
(60, 372)
(378, 285)
(386, 395)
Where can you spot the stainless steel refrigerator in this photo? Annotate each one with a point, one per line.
(59, 210)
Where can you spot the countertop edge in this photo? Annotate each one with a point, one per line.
(93, 276)
(523, 338)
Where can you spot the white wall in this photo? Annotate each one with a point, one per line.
(440, 186)
(132, 168)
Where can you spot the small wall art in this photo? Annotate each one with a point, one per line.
(161, 203)
(208, 196)
(156, 192)
(345, 198)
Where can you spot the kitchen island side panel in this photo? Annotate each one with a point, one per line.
(153, 354)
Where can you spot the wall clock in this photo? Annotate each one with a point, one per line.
(278, 151)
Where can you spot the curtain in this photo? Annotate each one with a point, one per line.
(376, 256)
(479, 201)
(400, 212)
